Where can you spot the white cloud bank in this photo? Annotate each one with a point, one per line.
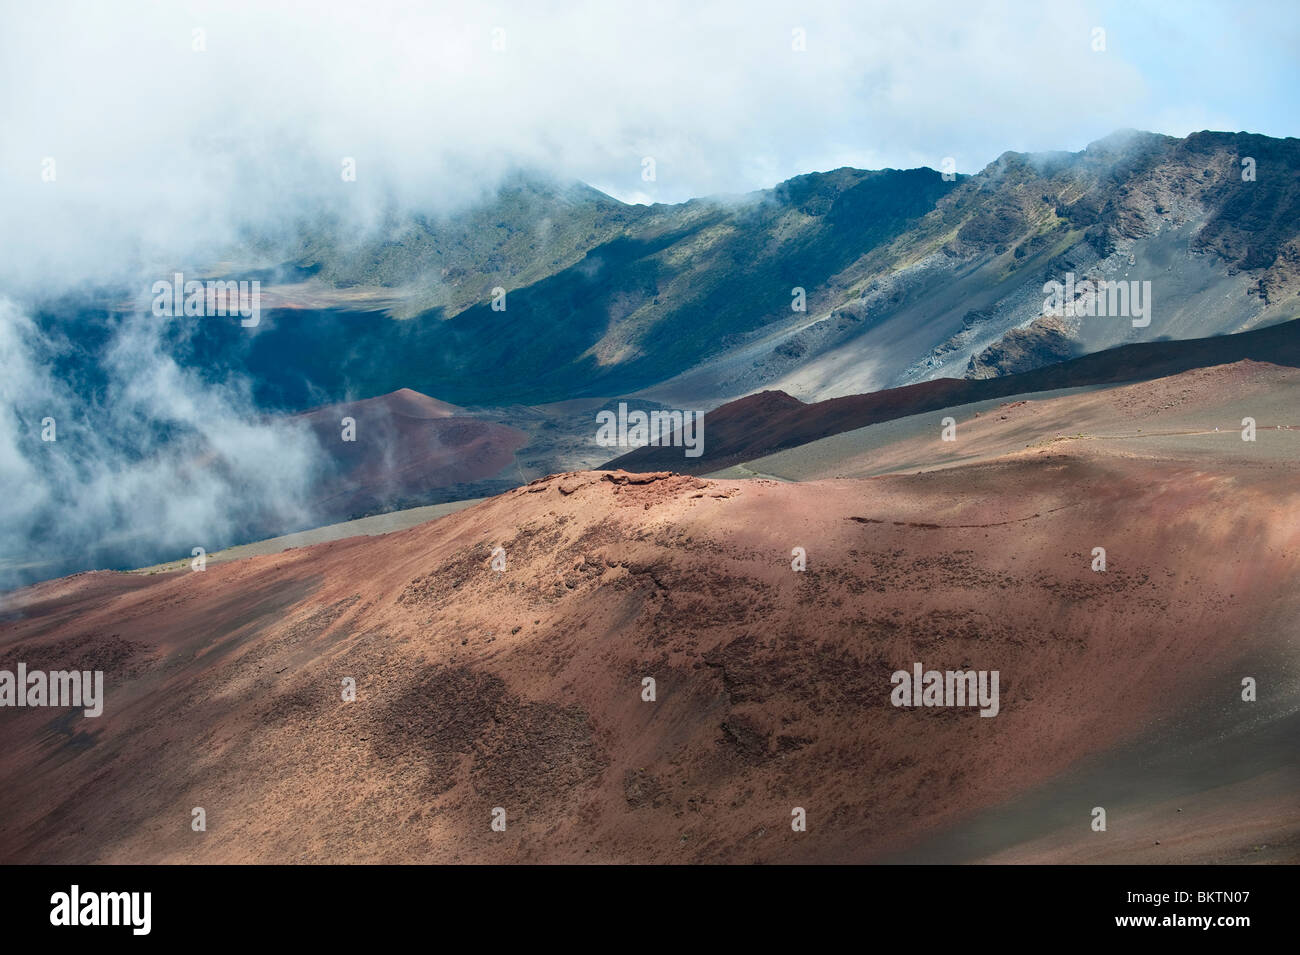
(160, 147)
(162, 152)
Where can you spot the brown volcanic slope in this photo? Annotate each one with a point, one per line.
(521, 689)
(1195, 416)
(407, 446)
(771, 421)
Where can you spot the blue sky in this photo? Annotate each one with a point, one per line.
(1232, 66)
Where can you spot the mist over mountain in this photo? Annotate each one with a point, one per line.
(705, 432)
(902, 273)
(830, 284)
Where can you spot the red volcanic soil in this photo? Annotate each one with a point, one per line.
(522, 688)
(405, 402)
(1195, 417)
(407, 445)
(771, 421)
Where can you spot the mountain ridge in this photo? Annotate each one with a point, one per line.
(900, 270)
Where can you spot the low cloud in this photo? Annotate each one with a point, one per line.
(175, 130)
(157, 462)
(141, 138)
